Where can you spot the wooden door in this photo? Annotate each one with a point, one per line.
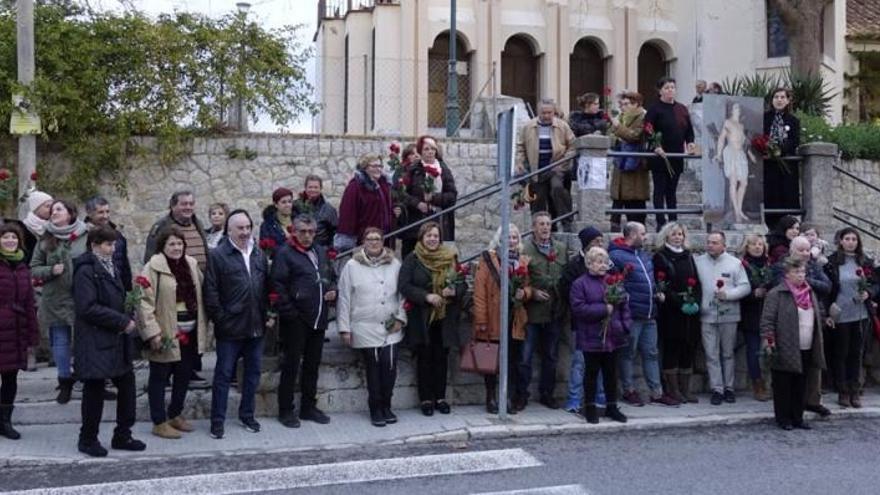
(519, 71)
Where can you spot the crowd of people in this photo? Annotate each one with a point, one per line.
(70, 279)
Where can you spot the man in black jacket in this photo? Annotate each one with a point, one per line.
(306, 285)
(236, 295)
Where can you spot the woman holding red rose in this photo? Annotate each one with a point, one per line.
(600, 325)
(174, 327)
(366, 202)
(755, 260)
(679, 332)
(430, 188)
(487, 303)
(52, 264)
(849, 308)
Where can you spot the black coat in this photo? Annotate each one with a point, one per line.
(750, 307)
(671, 321)
(414, 284)
(415, 193)
(572, 271)
(235, 300)
(101, 347)
(301, 285)
(793, 140)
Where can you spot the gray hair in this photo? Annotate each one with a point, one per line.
(799, 240)
(547, 101)
(93, 203)
(496, 239)
(595, 253)
(305, 219)
(631, 227)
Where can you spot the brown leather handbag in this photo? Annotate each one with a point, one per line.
(479, 356)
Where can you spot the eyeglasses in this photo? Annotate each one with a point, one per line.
(373, 239)
(305, 231)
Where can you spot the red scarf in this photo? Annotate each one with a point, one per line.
(801, 295)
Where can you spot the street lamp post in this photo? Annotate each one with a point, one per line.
(237, 114)
(452, 78)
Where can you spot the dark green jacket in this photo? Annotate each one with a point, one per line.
(545, 274)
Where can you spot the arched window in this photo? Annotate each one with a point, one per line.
(519, 70)
(438, 74)
(586, 71)
(652, 66)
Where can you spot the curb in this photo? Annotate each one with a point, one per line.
(463, 435)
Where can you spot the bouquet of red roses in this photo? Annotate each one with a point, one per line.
(614, 294)
(518, 279)
(769, 149)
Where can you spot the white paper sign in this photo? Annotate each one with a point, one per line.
(592, 173)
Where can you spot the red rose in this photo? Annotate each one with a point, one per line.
(868, 271)
(719, 283)
(661, 276)
(408, 305)
(267, 243)
(73, 237)
(691, 282)
(142, 281)
(606, 117)
(859, 272)
(37, 282)
(607, 91)
(463, 269)
(4, 174)
(433, 172)
(34, 176)
(551, 257)
(183, 338)
(332, 254)
(610, 280)
(649, 128)
(273, 298)
(521, 271)
(770, 340)
(395, 148)
(406, 180)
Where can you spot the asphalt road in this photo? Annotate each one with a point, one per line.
(836, 457)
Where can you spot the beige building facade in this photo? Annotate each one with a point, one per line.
(382, 65)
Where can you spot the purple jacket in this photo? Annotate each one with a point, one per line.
(588, 313)
(18, 316)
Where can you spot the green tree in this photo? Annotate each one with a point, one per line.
(103, 79)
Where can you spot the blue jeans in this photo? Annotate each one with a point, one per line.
(642, 337)
(59, 337)
(753, 351)
(548, 335)
(576, 383)
(228, 352)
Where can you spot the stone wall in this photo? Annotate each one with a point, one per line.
(285, 160)
(858, 199)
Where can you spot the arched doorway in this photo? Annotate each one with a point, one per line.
(438, 73)
(652, 66)
(519, 70)
(586, 71)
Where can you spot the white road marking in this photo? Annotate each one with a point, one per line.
(309, 476)
(545, 490)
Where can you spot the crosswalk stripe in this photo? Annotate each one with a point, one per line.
(544, 490)
(309, 476)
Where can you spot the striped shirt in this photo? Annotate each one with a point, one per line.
(195, 245)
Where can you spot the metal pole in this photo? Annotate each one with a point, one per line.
(452, 78)
(503, 262)
(27, 143)
(366, 93)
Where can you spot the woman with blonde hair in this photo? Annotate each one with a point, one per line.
(753, 253)
(678, 324)
(487, 304)
(366, 202)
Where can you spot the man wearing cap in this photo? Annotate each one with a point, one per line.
(589, 237)
(278, 219)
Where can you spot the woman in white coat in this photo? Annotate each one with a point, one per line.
(370, 315)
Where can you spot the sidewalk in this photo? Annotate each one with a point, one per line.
(45, 444)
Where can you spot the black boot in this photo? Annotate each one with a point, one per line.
(591, 414)
(611, 411)
(65, 388)
(388, 414)
(491, 398)
(6, 429)
(376, 417)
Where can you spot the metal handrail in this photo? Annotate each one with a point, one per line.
(873, 224)
(856, 178)
(527, 234)
(857, 227)
(697, 210)
(469, 199)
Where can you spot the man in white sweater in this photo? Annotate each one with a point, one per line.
(724, 282)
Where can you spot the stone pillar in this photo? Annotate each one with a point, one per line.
(817, 180)
(591, 203)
